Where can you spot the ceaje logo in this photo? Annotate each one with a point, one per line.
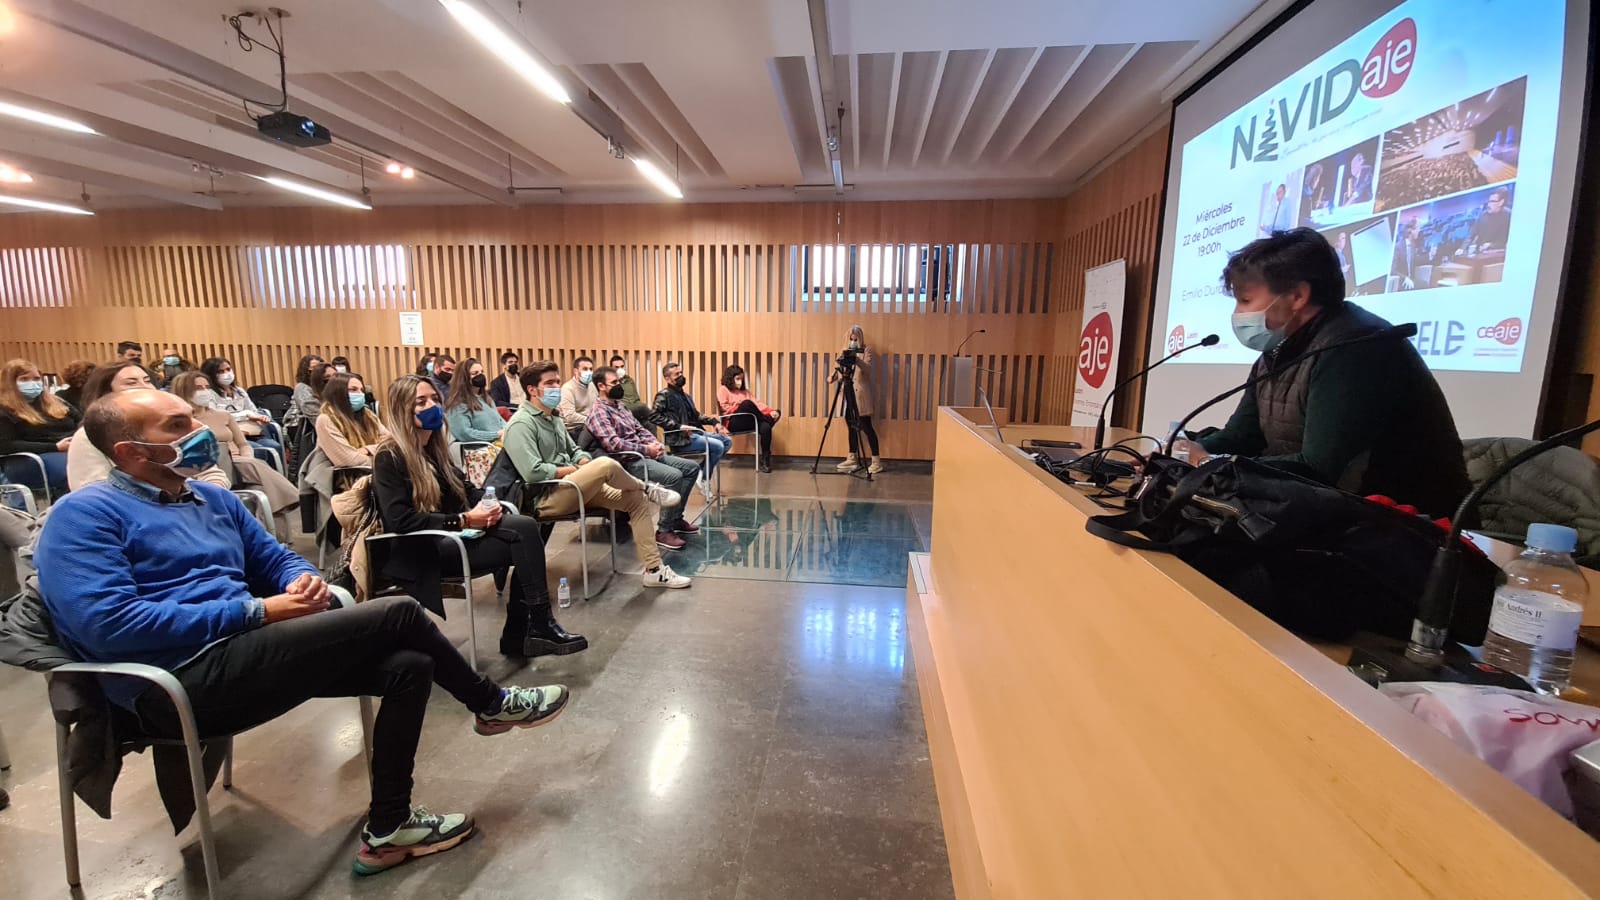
(1326, 97)
(1507, 332)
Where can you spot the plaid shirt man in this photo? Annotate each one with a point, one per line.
(615, 427)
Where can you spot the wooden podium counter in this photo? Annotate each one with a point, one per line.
(1107, 723)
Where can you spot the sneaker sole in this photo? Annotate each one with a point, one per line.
(386, 861)
(662, 545)
(490, 729)
(660, 584)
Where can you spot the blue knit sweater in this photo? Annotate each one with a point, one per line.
(129, 579)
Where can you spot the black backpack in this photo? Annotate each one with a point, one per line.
(1314, 559)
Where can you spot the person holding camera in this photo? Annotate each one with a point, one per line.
(856, 364)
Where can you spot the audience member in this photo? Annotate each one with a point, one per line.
(578, 394)
(444, 369)
(425, 366)
(417, 488)
(347, 436)
(33, 420)
(232, 398)
(468, 409)
(506, 389)
(248, 472)
(542, 450)
(152, 568)
(683, 425)
(860, 413)
(73, 375)
(617, 431)
(630, 393)
(341, 365)
(133, 351)
(86, 465)
(309, 377)
(746, 413)
(1426, 177)
(172, 365)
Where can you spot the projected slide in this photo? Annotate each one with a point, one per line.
(1422, 147)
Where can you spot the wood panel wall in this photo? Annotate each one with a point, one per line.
(706, 285)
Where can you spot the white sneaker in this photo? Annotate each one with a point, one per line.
(660, 496)
(849, 465)
(664, 577)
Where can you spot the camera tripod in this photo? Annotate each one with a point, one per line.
(844, 394)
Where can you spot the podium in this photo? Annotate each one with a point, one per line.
(962, 382)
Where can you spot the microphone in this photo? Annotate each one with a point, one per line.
(984, 395)
(1437, 605)
(1396, 331)
(1209, 340)
(968, 338)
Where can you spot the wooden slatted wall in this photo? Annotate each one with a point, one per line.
(704, 285)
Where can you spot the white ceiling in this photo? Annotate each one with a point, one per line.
(942, 99)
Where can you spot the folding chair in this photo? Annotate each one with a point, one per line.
(190, 742)
(580, 516)
(44, 474)
(755, 435)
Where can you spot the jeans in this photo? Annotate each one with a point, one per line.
(674, 473)
(24, 471)
(258, 444)
(386, 648)
(740, 424)
(708, 442)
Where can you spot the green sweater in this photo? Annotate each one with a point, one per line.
(630, 391)
(539, 443)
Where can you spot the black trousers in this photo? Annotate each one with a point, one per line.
(386, 648)
(741, 425)
(516, 542)
(864, 425)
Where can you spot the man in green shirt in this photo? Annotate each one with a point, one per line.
(1368, 418)
(540, 447)
(630, 393)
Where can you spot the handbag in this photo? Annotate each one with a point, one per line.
(476, 462)
(1313, 558)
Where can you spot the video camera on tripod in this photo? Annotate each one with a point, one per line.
(846, 363)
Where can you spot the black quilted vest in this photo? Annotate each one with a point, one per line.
(1281, 401)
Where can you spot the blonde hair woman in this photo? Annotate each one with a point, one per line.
(34, 420)
(859, 414)
(417, 488)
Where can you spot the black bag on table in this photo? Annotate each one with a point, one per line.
(1314, 559)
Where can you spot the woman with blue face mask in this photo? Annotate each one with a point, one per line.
(34, 420)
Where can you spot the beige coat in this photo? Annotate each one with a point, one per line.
(863, 383)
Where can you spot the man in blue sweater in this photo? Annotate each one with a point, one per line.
(151, 567)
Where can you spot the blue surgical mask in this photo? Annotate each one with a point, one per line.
(586, 377)
(196, 450)
(432, 418)
(1252, 330)
(30, 390)
(551, 398)
(358, 402)
(430, 367)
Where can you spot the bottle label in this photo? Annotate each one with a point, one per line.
(1536, 617)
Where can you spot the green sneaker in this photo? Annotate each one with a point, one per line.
(422, 834)
(524, 708)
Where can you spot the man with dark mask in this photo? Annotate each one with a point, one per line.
(617, 431)
(506, 389)
(1368, 418)
(684, 427)
(444, 368)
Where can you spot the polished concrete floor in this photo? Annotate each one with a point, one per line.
(751, 737)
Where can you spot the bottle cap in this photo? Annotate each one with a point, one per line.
(1554, 538)
(563, 581)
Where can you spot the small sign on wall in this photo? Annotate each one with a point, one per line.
(411, 329)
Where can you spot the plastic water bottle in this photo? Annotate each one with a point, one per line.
(1180, 444)
(564, 594)
(1533, 626)
(489, 500)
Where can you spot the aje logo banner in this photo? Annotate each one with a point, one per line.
(1094, 351)
(1384, 71)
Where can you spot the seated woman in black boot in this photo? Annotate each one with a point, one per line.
(418, 489)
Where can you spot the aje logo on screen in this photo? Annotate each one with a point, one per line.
(1384, 71)
(1094, 352)
(1507, 332)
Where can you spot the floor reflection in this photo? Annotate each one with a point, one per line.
(862, 636)
(807, 540)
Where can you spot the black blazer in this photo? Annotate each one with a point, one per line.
(417, 573)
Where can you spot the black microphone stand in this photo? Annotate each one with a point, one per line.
(1210, 340)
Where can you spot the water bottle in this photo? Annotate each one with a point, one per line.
(564, 594)
(1180, 444)
(1533, 626)
(489, 501)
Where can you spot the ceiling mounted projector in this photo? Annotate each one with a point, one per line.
(289, 128)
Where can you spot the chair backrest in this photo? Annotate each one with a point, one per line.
(275, 405)
(505, 479)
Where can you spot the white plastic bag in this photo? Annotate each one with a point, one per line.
(1526, 737)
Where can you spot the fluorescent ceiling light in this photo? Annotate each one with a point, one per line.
(31, 203)
(658, 178)
(43, 118)
(491, 31)
(311, 191)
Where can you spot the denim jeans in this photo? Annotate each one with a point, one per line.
(708, 441)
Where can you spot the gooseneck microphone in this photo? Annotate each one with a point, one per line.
(1437, 605)
(968, 338)
(1396, 331)
(1209, 340)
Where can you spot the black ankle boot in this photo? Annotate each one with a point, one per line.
(546, 637)
(516, 629)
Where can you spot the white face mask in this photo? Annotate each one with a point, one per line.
(205, 397)
(225, 378)
(622, 372)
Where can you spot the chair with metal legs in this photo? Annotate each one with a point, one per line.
(431, 539)
(755, 434)
(44, 473)
(191, 742)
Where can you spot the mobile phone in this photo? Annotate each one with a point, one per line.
(470, 533)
